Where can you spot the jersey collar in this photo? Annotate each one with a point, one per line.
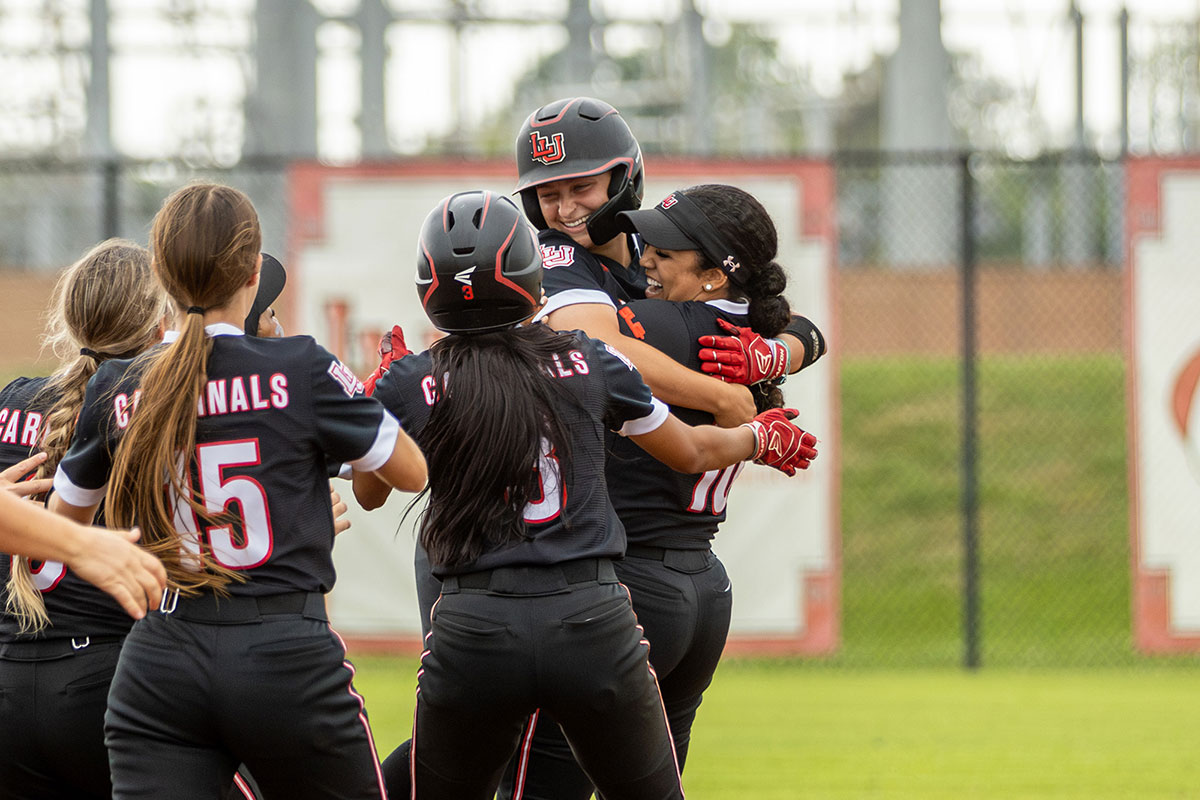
(730, 306)
(216, 329)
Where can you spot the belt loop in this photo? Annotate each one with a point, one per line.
(174, 595)
(450, 584)
(87, 640)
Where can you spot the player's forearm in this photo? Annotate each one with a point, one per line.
(30, 530)
(677, 385)
(699, 449)
(717, 448)
(670, 381)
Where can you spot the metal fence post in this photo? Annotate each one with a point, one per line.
(110, 180)
(970, 500)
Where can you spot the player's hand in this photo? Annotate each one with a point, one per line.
(779, 443)
(391, 348)
(12, 479)
(340, 523)
(110, 561)
(745, 357)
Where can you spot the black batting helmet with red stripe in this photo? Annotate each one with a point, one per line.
(479, 267)
(575, 138)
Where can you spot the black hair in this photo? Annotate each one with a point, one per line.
(747, 227)
(496, 416)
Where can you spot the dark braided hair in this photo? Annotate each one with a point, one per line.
(745, 225)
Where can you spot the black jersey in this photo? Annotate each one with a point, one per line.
(21, 419)
(574, 518)
(658, 505)
(273, 411)
(572, 274)
(76, 608)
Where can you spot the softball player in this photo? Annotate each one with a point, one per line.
(519, 528)
(59, 635)
(579, 166)
(216, 444)
(708, 259)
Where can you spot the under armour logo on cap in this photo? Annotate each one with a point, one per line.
(731, 265)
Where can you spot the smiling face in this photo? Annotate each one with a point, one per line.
(675, 275)
(568, 203)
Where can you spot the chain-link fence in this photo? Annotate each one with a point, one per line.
(985, 511)
(984, 488)
(51, 212)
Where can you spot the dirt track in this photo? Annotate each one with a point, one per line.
(878, 313)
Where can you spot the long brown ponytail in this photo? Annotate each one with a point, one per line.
(205, 242)
(109, 304)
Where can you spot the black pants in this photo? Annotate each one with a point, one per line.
(573, 650)
(52, 719)
(683, 600)
(190, 699)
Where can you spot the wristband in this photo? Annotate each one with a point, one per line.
(787, 359)
(760, 438)
(810, 338)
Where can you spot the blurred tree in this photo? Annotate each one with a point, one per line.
(758, 101)
(1166, 89)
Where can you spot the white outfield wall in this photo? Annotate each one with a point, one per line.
(351, 257)
(1164, 401)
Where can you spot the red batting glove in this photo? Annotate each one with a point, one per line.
(779, 443)
(391, 348)
(746, 357)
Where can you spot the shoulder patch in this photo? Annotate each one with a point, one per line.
(621, 356)
(557, 255)
(349, 382)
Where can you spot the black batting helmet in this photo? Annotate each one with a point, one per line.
(479, 267)
(574, 138)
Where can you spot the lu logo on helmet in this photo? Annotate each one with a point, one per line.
(548, 150)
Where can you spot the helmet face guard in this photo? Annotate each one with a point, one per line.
(479, 267)
(576, 138)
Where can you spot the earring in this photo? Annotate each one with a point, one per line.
(708, 287)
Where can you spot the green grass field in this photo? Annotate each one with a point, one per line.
(1053, 512)
(776, 730)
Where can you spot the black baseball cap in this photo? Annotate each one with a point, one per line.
(271, 279)
(677, 223)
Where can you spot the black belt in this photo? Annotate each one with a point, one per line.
(688, 561)
(217, 610)
(50, 649)
(534, 580)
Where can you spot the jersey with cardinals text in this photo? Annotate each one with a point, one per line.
(574, 518)
(272, 412)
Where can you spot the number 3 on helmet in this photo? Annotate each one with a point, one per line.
(479, 268)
